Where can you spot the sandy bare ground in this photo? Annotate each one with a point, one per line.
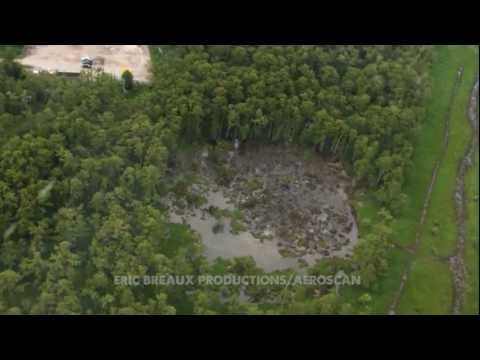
(66, 58)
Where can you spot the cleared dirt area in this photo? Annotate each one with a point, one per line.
(66, 58)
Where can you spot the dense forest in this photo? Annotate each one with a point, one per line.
(83, 169)
(361, 104)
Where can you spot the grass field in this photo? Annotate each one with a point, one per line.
(429, 287)
(429, 290)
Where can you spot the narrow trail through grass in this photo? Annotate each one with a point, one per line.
(427, 201)
(431, 286)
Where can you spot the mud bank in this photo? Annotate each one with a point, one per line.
(280, 205)
(457, 264)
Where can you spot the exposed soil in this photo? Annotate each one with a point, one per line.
(66, 58)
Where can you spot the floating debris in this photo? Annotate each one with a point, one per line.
(300, 206)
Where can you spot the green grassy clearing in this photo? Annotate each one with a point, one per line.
(428, 149)
(429, 289)
(442, 210)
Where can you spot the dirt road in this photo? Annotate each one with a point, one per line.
(66, 58)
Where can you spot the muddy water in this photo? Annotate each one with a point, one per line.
(301, 211)
(222, 243)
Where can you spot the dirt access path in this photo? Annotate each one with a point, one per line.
(66, 58)
(457, 264)
(426, 204)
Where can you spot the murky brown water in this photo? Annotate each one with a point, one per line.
(327, 225)
(224, 244)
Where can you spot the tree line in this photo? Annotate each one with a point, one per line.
(361, 104)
